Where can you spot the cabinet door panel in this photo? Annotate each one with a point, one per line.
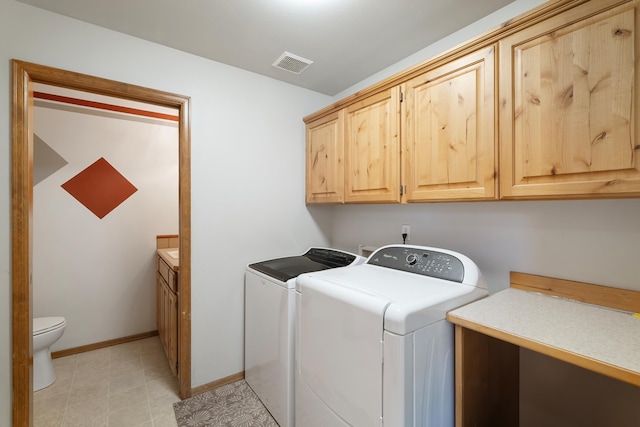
(167, 313)
(164, 318)
(325, 166)
(569, 106)
(172, 331)
(372, 149)
(160, 306)
(448, 131)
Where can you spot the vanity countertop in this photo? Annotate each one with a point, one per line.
(170, 256)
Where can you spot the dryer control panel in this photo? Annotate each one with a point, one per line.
(425, 261)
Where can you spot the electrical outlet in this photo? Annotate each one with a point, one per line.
(406, 229)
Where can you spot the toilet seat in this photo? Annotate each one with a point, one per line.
(43, 325)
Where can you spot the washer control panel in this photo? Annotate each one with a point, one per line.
(427, 262)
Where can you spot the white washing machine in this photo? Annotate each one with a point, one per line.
(269, 325)
(373, 347)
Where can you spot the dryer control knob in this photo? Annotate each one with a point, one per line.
(412, 259)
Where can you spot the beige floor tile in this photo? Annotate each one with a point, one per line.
(157, 372)
(60, 386)
(91, 365)
(150, 360)
(162, 387)
(126, 381)
(97, 390)
(53, 420)
(150, 345)
(65, 370)
(94, 355)
(131, 416)
(125, 385)
(87, 414)
(124, 357)
(133, 396)
(162, 406)
(128, 347)
(119, 367)
(86, 377)
(65, 361)
(165, 421)
(50, 406)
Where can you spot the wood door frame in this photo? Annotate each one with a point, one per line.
(24, 75)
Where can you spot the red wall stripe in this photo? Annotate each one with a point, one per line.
(103, 106)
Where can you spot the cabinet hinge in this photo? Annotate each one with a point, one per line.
(401, 96)
(403, 189)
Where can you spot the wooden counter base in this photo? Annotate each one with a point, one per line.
(489, 334)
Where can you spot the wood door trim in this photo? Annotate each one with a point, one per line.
(21, 203)
(24, 74)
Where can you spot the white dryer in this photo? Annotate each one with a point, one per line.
(373, 347)
(269, 324)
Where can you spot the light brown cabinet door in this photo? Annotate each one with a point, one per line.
(160, 322)
(163, 315)
(372, 164)
(569, 105)
(172, 331)
(449, 131)
(167, 313)
(325, 159)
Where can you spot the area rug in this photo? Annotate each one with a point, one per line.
(232, 405)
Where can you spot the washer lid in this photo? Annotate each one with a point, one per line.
(46, 324)
(315, 259)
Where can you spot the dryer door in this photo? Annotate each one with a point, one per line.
(341, 331)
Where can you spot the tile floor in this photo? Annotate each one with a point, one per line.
(125, 385)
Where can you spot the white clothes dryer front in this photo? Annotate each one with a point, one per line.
(269, 324)
(373, 347)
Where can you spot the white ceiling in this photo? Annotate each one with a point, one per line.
(347, 40)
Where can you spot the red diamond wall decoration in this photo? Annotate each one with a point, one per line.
(100, 188)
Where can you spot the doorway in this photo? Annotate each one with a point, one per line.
(24, 75)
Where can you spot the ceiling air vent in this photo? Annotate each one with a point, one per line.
(293, 63)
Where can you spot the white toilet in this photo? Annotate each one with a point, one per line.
(46, 331)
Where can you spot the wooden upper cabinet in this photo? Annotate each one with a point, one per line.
(449, 131)
(559, 104)
(569, 105)
(372, 150)
(325, 166)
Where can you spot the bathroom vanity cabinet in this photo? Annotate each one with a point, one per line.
(167, 303)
